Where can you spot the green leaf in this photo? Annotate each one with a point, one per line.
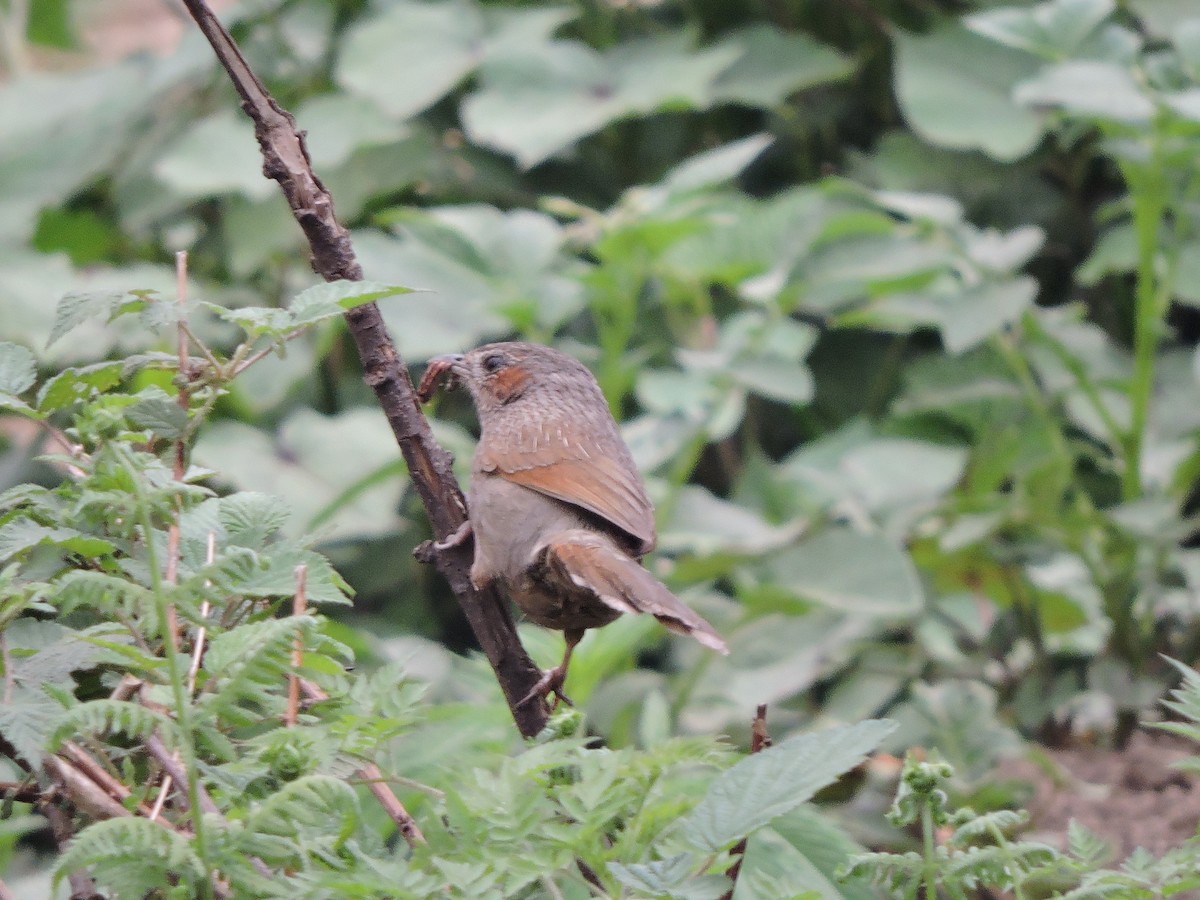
(250, 518)
(278, 577)
(491, 271)
(335, 297)
(537, 102)
(441, 43)
(58, 651)
(1053, 30)
(966, 316)
(104, 717)
(769, 855)
(715, 166)
(656, 878)
(18, 369)
(336, 126)
(75, 308)
(775, 64)
(955, 89)
(78, 383)
(215, 155)
(26, 721)
(704, 524)
(1090, 89)
(779, 379)
(865, 574)
(308, 463)
(134, 854)
(769, 784)
(160, 415)
(19, 535)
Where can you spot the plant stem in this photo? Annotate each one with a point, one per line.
(930, 849)
(183, 707)
(13, 29)
(1149, 193)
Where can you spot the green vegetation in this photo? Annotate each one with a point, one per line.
(897, 303)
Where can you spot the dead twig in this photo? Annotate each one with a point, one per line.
(371, 775)
(173, 767)
(299, 606)
(82, 886)
(83, 761)
(759, 741)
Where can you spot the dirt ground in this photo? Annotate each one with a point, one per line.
(1132, 798)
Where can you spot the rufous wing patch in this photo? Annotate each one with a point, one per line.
(601, 486)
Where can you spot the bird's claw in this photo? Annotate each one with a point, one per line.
(455, 539)
(551, 682)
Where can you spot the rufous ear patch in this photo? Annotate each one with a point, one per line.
(509, 382)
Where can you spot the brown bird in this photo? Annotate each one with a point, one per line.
(558, 510)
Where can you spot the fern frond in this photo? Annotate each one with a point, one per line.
(104, 717)
(984, 826)
(104, 593)
(305, 821)
(132, 857)
(248, 664)
(312, 801)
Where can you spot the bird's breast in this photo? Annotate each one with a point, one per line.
(511, 521)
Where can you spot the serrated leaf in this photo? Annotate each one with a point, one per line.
(75, 308)
(250, 517)
(21, 534)
(335, 297)
(163, 416)
(18, 369)
(53, 662)
(26, 721)
(766, 785)
(277, 578)
(255, 320)
(662, 876)
(78, 383)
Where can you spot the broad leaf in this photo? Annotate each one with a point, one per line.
(767, 785)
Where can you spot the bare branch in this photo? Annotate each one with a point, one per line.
(373, 777)
(285, 159)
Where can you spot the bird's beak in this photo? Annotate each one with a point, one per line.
(448, 367)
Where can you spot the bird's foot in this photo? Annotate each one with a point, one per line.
(551, 682)
(456, 538)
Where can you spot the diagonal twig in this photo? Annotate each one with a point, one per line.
(759, 740)
(372, 776)
(286, 160)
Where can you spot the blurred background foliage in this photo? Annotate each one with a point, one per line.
(895, 298)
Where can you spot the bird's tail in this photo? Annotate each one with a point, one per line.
(591, 561)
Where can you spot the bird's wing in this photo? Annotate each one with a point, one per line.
(592, 562)
(595, 473)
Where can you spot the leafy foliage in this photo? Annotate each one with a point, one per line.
(896, 301)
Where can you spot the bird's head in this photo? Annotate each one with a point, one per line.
(504, 374)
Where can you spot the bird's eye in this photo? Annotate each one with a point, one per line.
(493, 362)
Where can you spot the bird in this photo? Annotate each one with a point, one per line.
(556, 506)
